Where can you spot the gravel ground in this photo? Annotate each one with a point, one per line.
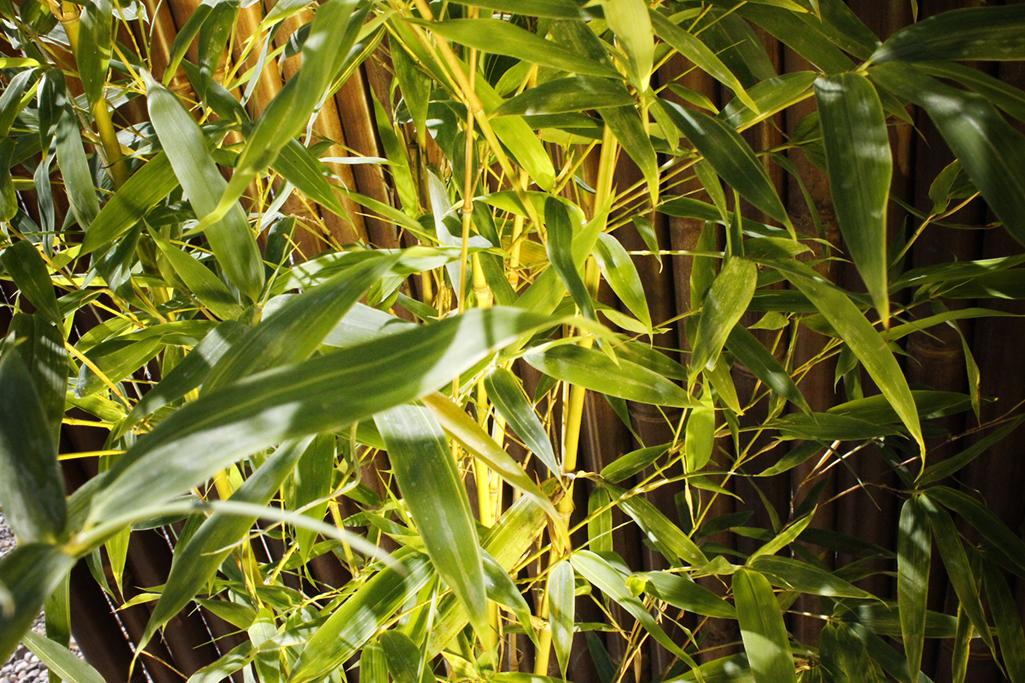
(22, 667)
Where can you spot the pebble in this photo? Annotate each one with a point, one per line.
(22, 667)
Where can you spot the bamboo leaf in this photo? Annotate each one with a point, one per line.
(791, 574)
(763, 365)
(507, 395)
(668, 537)
(955, 561)
(357, 619)
(914, 545)
(629, 20)
(151, 183)
(699, 443)
(599, 521)
(864, 340)
(402, 655)
(560, 252)
(679, 590)
(471, 435)
(294, 331)
(991, 151)
(983, 33)
(94, 47)
(566, 95)
(983, 519)
(200, 281)
(731, 157)
(762, 629)
(230, 237)
(28, 573)
(1007, 620)
(553, 9)
(690, 47)
(630, 464)
(78, 180)
(26, 267)
(503, 38)
(562, 611)
(625, 123)
(725, 303)
(599, 572)
(620, 272)
(517, 135)
(321, 394)
(432, 489)
(60, 660)
(502, 589)
(32, 487)
(860, 167)
(593, 370)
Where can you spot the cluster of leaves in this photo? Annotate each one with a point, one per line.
(237, 381)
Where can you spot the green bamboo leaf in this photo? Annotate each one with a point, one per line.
(625, 123)
(200, 281)
(763, 365)
(60, 660)
(679, 590)
(517, 135)
(725, 303)
(991, 151)
(700, 435)
(12, 101)
(116, 359)
(432, 489)
(503, 38)
(1003, 95)
(945, 468)
(150, 184)
(629, 20)
(983, 519)
(668, 537)
(731, 157)
(502, 589)
(478, 442)
(373, 667)
(8, 196)
(783, 538)
(984, 33)
(1008, 622)
(612, 583)
(357, 619)
(40, 343)
(30, 273)
(566, 95)
(621, 274)
(321, 394)
(955, 561)
(599, 521)
(505, 392)
(690, 47)
(553, 9)
(864, 340)
(560, 253)
(914, 546)
(860, 167)
(29, 574)
(415, 88)
(312, 481)
(32, 487)
(593, 370)
(403, 657)
(189, 373)
(293, 332)
(791, 574)
(762, 629)
(845, 656)
(78, 180)
(562, 611)
(230, 237)
(800, 32)
(96, 24)
(771, 96)
(630, 464)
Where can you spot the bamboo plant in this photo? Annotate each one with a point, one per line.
(201, 260)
